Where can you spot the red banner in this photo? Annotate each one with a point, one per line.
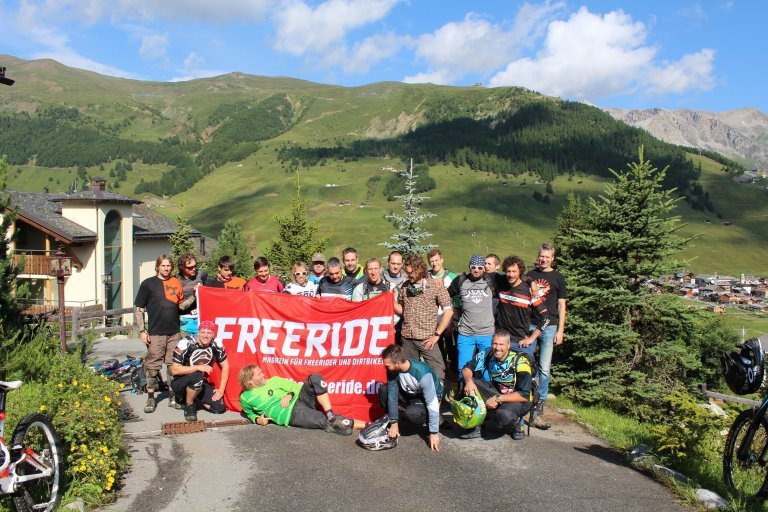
(293, 336)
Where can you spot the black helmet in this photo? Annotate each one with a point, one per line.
(744, 371)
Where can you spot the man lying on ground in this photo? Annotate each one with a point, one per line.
(291, 404)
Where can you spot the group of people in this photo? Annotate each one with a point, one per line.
(454, 334)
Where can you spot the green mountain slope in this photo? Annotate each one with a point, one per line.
(236, 146)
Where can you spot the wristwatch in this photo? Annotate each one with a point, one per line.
(436, 334)
(498, 399)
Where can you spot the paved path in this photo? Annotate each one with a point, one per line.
(283, 469)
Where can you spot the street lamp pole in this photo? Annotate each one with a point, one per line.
(60, 267)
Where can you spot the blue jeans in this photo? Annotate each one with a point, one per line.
(546, 345)
(530, 349)
(466, 347)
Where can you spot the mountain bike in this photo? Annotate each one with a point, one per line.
(745, 456)
(31, 467)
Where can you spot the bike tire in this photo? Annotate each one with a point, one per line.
(748, 478)
(35, 433)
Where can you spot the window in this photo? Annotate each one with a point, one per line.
(113, 260)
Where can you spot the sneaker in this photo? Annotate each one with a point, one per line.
(190, 412)
(340, 425)
(150, 406)
(472, 433)
(519, 433)
(540, 423)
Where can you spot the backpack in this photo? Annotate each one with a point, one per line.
(535, 396)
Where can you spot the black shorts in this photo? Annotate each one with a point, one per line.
(197, 380)
(305, 413)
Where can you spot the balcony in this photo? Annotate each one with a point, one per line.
(35, 261)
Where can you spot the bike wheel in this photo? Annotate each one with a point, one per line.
(38, 441)
(749, 477)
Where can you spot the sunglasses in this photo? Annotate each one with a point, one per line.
(297, 274)
(193, 267)
(477, 267)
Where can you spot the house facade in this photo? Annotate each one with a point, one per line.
(113, 241)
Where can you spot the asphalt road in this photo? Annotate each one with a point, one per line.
(285, 469)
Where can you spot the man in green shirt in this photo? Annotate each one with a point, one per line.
(288, 403)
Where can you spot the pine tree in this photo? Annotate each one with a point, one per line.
(231, 243)
(12, 296)
(627, 347)
(181, 240)
(295, 240)
(410, 235)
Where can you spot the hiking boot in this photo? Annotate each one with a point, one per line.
(340, 425)
(518, 434)
(173, 404)
(540, 423)
(190, 412)
(150, 406)
(472, 433)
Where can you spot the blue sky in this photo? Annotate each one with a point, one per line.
(707, 55)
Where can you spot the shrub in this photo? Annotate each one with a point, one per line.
(683, 428)
(83, 408)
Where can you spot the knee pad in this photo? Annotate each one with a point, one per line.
(152, 379)
(505, 418)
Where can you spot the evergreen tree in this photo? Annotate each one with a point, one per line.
(12, 296)
(627, 348)
(295, 240)
(410, 236)
(181, 240)
(231, 243)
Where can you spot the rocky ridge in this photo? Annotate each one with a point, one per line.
(741, 134)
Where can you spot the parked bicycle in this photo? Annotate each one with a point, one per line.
(31, 465)
(745, 456)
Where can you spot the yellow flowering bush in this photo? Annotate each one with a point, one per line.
(83, 407)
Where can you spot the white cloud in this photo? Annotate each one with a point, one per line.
(590, 56)
(477, 45)
(154, 47)
(192, 69)
(75, 60)
(302, 29)
(92, 11)
(372, 50)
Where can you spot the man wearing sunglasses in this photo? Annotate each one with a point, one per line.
(475, 290)
(190, 278)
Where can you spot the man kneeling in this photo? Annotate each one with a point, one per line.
(192, 362)
(503, 379)
(414, 385)
(288, 403)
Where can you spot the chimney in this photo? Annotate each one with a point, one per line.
(98, 185)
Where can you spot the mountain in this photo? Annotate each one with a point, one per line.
(498, 163)
(740, 134)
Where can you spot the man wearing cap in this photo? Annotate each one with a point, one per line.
(475, 291)
(318, 268)
(192, 362)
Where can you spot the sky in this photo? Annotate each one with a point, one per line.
(705, 55)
